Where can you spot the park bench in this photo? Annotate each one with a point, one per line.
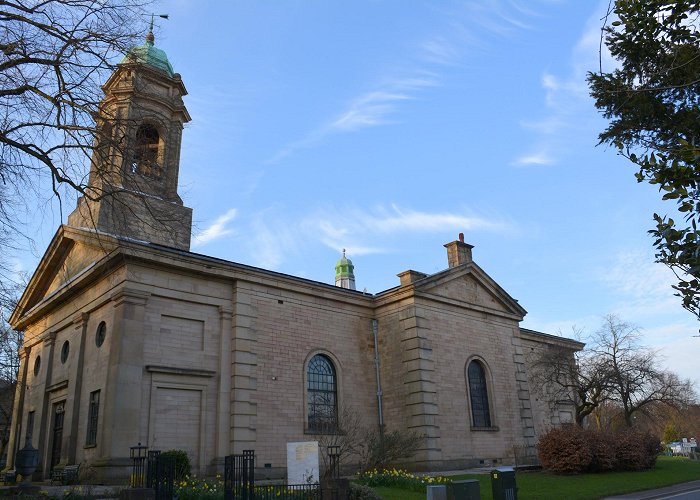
(65, 475)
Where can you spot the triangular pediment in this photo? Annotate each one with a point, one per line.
(472, 287)
(70, 254)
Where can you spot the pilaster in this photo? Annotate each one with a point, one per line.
(80, 321)
(419, 379)
(244, 365)
(122, 409)
(223, 398)
(18, 407)
(529, 439)
(49, 345)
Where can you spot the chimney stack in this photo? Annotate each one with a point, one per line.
(458, 252)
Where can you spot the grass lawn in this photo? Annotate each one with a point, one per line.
(545, 486)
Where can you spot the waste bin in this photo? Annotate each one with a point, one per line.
(464, 490)
(436, 492)
(503, 484)
(10, 477)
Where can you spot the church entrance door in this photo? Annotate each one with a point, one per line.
(57, 438)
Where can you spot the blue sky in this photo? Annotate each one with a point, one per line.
(388, 127)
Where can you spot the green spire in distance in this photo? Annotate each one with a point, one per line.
(344, 273)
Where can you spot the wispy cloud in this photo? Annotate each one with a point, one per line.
(270, 237)
(370, 109)
(567, 107)
(439, 50)
(353, 228)
(536, 158)
(379, 105)
(498, 18)
(642, 285)
(216, 230)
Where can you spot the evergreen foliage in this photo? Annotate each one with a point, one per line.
(653, 103)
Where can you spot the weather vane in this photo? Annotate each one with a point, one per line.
(163, 16)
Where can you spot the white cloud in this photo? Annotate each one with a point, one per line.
(681, 356)
(375, 107)
(349, 229)
(216, 230)
(268, 238)
(642, 285)
(439, 50)
(537, 158)
(568, 109)
(367, 111)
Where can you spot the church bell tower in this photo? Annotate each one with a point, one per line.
(132, 189)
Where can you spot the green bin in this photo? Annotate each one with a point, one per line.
(503, 484)
(464, 490)
(10, 477)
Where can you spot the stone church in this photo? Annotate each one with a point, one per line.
(132, 338)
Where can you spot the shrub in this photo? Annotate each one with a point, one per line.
(182, 463)
(565, 450)
(362, 492)
(636, 450)
(572, 450)
(603, 450)
(381, 450)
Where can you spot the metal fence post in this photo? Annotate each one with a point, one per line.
(138, 462)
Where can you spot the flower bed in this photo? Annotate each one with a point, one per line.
(194, 488)
(399, 478)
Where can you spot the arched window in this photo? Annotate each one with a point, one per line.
(146, 160)
(321, 395)
(478, 395)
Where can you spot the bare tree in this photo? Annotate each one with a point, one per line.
(345, 433)
(633, 375)
(615, 374)
(574, 379)
(55, 56)
(10, 343)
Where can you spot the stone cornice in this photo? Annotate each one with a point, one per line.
(57, 386)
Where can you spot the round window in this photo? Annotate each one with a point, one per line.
(37, 365)
(100, 334)
(64, 351)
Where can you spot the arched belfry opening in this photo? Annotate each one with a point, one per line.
(147, 158)
(134, 172)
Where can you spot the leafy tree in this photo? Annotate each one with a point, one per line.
(652, 100)
(671, 434)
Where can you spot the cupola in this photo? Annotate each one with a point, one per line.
(344, 273)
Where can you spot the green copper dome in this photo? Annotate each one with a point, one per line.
(150, 55)
(344, 268)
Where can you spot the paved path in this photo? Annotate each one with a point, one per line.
(682, 491)
(58, 491)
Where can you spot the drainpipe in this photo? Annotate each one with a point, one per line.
(379, 382)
